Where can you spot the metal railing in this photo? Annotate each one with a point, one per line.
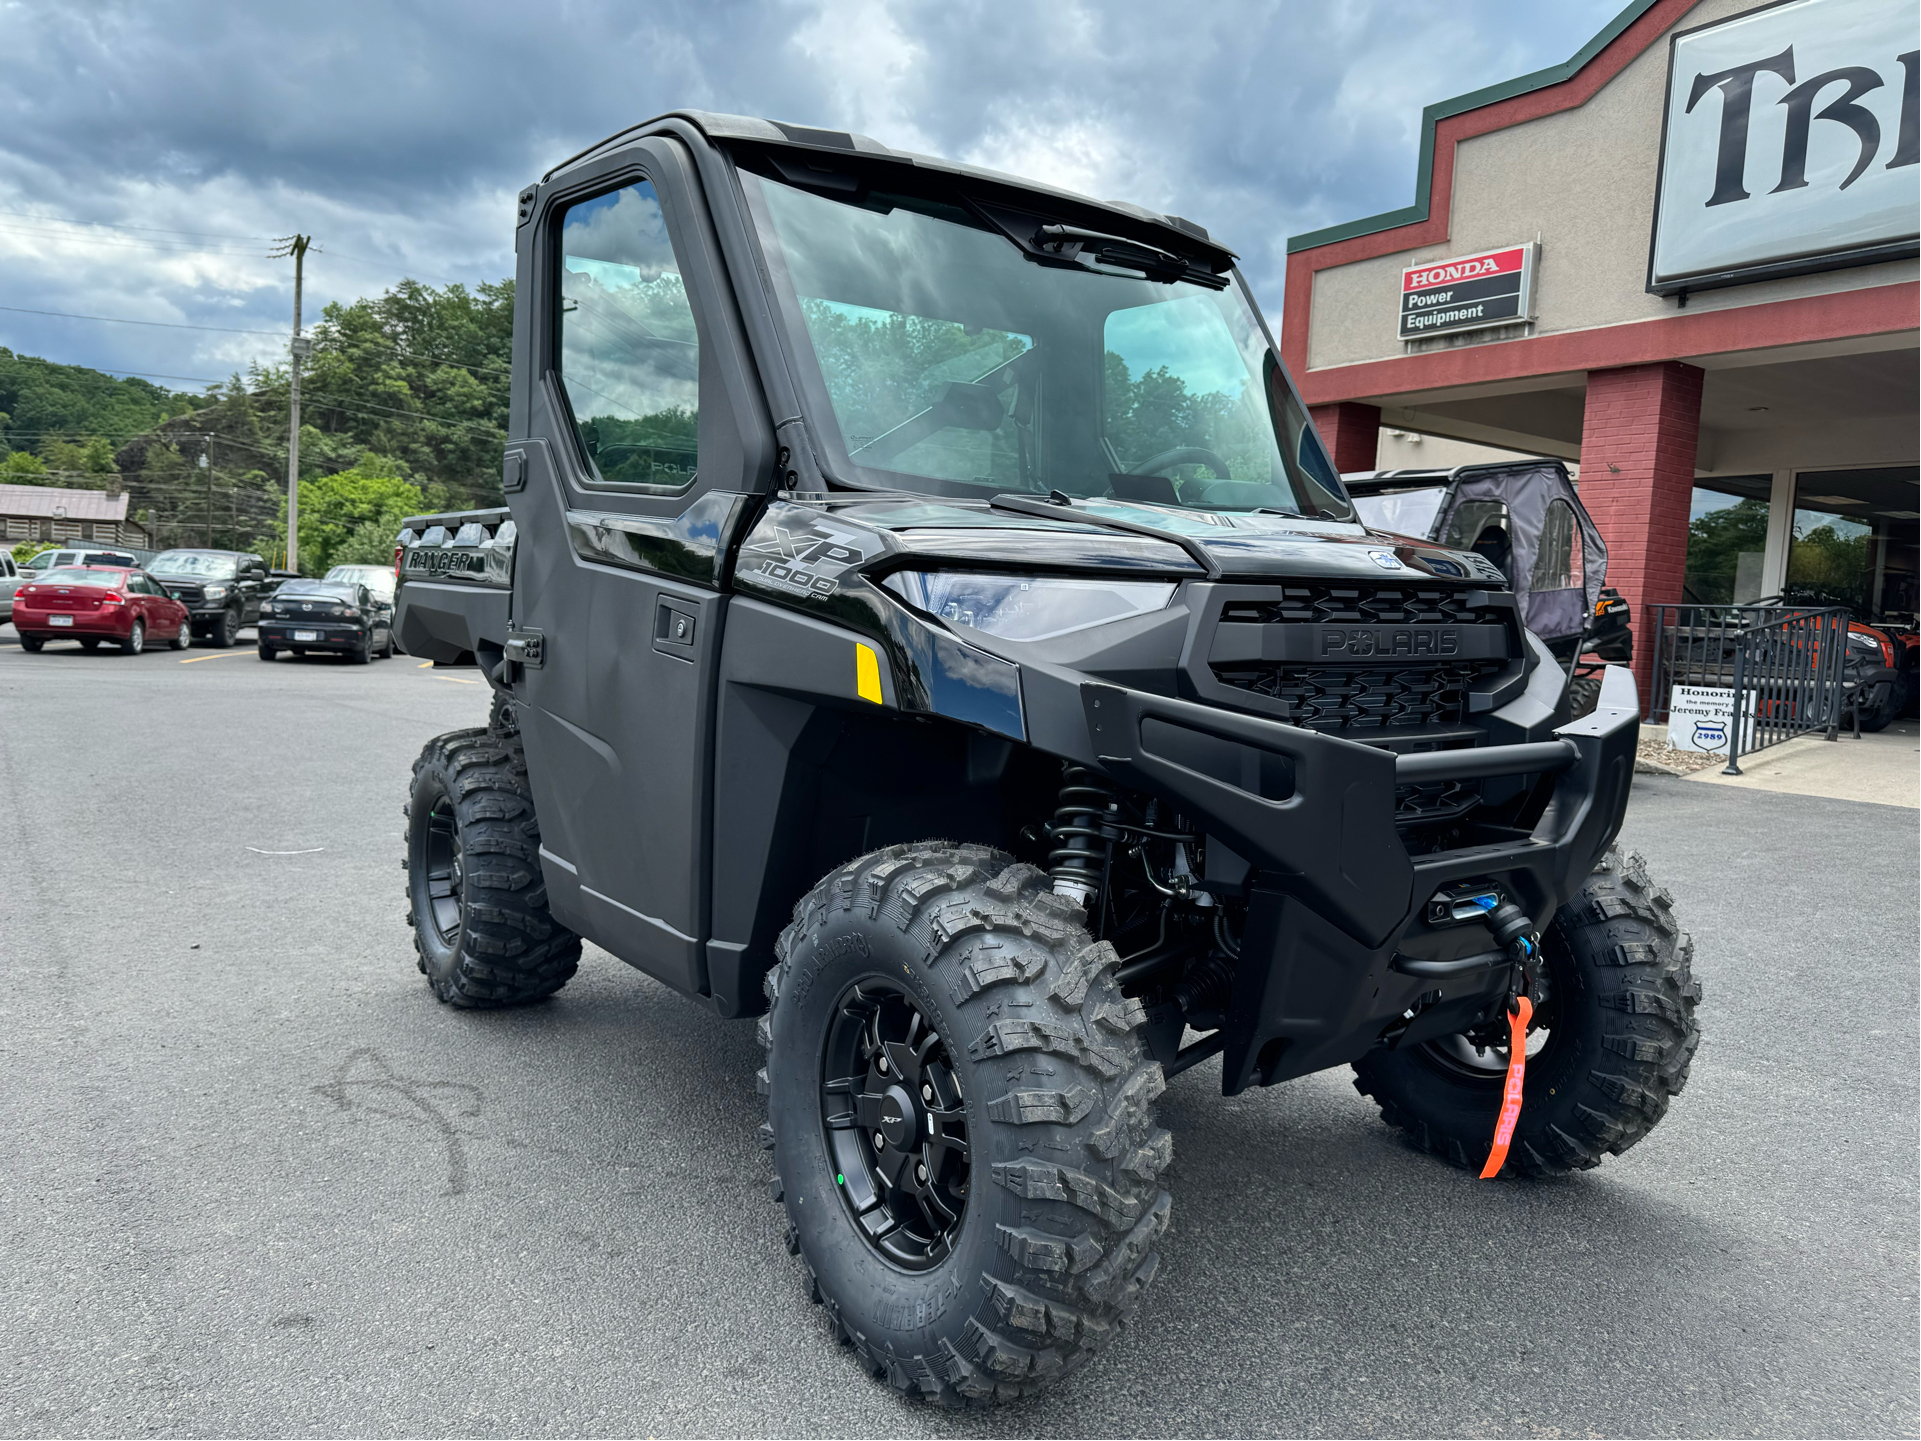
(1783, 665)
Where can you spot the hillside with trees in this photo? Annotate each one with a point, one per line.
(404, 400)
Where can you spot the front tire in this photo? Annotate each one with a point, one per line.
(225, 630)
(1012, 1227)
(475, 895)
(136, 640)
(182, 636)
(1885, 704)
(1616, 1034)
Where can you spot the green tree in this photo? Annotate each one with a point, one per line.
(418, 374)
(44, 400)
(352, 516)
(1716, 543)
(23, 467)
(26, 550)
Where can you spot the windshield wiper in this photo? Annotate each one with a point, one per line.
(1048, 243)
(1070, 242)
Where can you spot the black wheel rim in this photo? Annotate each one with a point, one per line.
(1481, 1055)
(444, 872)
(896, 1125)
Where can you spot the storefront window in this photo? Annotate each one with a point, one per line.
(1855, 540)
(1727, 540)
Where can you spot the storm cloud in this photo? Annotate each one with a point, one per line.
(397, 134)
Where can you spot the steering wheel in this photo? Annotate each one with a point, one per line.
(1185, 455)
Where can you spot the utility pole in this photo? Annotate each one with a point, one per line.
(296, 246)
(207, 466)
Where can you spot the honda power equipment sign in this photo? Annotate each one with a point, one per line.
(1475, 291)
(1789, 144)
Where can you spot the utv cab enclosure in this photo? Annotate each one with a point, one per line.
(1526, 517)
(923, 618)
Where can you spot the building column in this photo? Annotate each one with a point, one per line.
(1638, 440)
(1774, 568)
(1352, 432)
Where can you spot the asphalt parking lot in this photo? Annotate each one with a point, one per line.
(256, 1182)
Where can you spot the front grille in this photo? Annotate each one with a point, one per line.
(1346, 701)
(1360, 605)
(186, 594)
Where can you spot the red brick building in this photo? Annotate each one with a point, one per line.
(1686, 260)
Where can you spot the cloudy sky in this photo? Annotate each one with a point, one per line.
(149, 151)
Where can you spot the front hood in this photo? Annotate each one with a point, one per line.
(1241, 545)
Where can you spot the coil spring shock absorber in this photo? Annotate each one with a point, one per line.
(1078, 861)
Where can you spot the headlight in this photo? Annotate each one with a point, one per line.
(215, 592)
(1016, 607)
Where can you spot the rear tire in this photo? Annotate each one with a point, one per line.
(1033, 1052)
(1621, 1033)
(33, 643)
(475, 895)
(90, 642)
(268, 652)
(361, 654)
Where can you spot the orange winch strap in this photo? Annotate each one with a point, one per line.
(1517, 1020)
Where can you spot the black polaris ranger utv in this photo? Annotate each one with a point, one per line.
(924, 618)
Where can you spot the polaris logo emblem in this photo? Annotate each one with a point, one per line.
(1386, 559)
(1390, 641)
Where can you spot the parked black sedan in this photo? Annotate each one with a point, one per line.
(326, 615)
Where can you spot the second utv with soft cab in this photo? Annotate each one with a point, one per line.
(1525, 516)
(924, 619)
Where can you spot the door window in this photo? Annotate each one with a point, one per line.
(629, 357)
(1557, 564)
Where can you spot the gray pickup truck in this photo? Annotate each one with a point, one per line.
(923, 619)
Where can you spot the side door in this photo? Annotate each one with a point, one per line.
(9, 583)
(640, 432)
(252, 574)
(140, 597)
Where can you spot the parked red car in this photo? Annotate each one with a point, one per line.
(95, 603)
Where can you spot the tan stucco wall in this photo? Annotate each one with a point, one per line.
(1583, 180)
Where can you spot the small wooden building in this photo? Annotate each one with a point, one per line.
(45, 512)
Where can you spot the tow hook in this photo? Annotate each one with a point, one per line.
(1513, 930)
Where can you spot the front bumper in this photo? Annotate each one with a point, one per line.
(329, 637)
(1337, 911)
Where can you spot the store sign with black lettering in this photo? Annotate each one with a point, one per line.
(1789, 144)
(1470, 292)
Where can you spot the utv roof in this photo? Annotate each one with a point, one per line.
(779, 135)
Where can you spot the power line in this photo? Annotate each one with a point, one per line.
(114, 225)
(335, 331)
(127, 320)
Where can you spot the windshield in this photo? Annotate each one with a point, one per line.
(1405, 512)
(953, 365)
(110, 579)
(198, 563)
(377, 578)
